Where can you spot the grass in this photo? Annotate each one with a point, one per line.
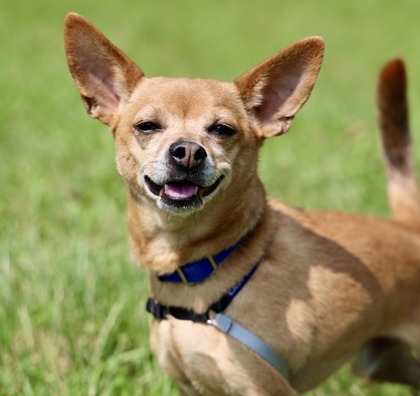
(71, 303)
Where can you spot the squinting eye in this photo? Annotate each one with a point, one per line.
(222, 130)
(147, 127)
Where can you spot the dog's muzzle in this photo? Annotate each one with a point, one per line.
(188, 178)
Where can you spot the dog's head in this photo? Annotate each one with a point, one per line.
(182, 142)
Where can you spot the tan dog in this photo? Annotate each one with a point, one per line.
(326, 283)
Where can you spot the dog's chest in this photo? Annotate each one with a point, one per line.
(189, 351)
(200, 358)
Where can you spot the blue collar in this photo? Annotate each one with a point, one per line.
(224, 323)
(199, 270)
(161, 311)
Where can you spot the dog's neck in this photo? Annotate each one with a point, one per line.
(163, 242)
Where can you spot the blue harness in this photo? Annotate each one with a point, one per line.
(198, 271)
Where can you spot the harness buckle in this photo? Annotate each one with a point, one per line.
(157, 310)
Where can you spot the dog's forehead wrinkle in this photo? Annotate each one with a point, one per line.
(186, 96)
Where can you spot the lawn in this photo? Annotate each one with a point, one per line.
(72, 318)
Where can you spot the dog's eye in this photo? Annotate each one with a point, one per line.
(147, 127)
(222, 130)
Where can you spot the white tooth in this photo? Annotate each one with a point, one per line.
(166, 188)
(196, 190)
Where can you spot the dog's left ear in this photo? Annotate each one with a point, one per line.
(104, 75)
(277, 88)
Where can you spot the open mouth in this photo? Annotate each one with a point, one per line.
(181, 193)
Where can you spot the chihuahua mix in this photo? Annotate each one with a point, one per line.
(251, 296)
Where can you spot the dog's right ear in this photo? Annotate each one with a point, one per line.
(275, 90)
(104, 75)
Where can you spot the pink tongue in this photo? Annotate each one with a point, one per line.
(181, 190)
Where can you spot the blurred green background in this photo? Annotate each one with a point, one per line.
(72, 318)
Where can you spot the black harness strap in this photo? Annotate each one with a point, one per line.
(160, 311)
(224, 323)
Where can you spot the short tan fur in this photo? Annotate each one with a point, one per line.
(328, 284)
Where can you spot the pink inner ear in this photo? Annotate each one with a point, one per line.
(275, 94)
(104, 75)
(268, 107)
(102, 88)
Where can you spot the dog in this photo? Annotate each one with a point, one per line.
(251, 296)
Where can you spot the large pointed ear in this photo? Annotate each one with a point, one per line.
(104, 75)
(277, 88)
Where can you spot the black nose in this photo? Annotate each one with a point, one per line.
(187, 155)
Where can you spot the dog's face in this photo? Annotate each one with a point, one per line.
(182, 142)
(178, 141)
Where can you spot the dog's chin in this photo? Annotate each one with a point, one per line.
(181, 197)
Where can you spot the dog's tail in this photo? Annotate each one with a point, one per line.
(392, 115)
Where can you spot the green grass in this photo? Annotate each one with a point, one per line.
(72, 318)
